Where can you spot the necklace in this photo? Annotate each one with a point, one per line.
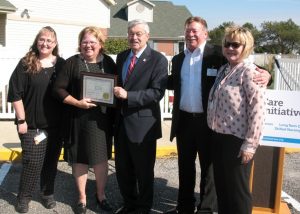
(48, 62)
(99, 60)
(227, 70)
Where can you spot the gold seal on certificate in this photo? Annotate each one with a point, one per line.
(106, 96)
(98, 87)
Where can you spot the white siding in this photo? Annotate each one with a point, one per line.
(146, 14)
(22, 35)
(8, 59)
(81, 12)
(67, 17)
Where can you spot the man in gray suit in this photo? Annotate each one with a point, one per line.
(142, 80)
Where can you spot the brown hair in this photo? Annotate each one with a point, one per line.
(196, 19)
(31, 59)
(95, 31)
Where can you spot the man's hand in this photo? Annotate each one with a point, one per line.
(262, 78)
(120, 93)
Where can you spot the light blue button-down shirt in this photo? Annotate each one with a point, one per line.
(191, 93)
(127, 62)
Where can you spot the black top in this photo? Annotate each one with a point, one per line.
(41, 109)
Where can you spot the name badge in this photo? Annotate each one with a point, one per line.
(39, 138)
(212, 72)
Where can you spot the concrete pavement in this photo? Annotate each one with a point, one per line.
(10, 147)
(166, 178)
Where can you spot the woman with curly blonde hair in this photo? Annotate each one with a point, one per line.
(37, 118)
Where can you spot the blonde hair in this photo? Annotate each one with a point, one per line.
(96, 32)
(31, 59)
(241, 35)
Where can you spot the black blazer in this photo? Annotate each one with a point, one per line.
(212, 58)
(145, 87)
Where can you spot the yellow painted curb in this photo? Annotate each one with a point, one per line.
(15, 154)
(161, 151)
(292, 150)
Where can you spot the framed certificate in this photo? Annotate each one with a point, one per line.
(98, 87)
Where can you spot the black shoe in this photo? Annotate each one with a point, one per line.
(125, 210)
(176, 211)
(48, 202)
(204, 212)
(81, 208)
(22, 206)
(172, 211)
(103, 205)
(143, 211)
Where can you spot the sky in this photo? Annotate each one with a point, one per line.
(215, 12)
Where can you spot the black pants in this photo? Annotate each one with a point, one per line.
(135, 171)
(231, 177)
(39, 162)
(193, 138)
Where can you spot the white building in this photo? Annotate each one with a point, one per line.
(20, 25)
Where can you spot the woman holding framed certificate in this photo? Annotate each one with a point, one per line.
(87, 124)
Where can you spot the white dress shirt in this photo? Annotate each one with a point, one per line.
(191, 93)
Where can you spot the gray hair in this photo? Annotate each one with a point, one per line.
(135, 22)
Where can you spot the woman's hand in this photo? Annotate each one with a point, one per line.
(85, 103)
(245, 156)
(22, 128)
(262, 78)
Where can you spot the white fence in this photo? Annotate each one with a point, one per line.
(8, 62)
(287, 76)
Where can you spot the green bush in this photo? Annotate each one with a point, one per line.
(115, 46)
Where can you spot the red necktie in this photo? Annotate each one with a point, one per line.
(130, 67)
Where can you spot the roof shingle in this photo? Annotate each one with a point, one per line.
(168, 20)
(6, 6)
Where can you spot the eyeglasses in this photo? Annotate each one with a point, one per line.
(138, 34)
(91, 43)
(47, 41)
(234, 45)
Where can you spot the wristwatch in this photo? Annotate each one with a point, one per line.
(21, 121)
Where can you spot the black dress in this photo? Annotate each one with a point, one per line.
(89, 130)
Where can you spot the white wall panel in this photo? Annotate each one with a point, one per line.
(81, 12)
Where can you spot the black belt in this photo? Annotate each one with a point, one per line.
(191, 114)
